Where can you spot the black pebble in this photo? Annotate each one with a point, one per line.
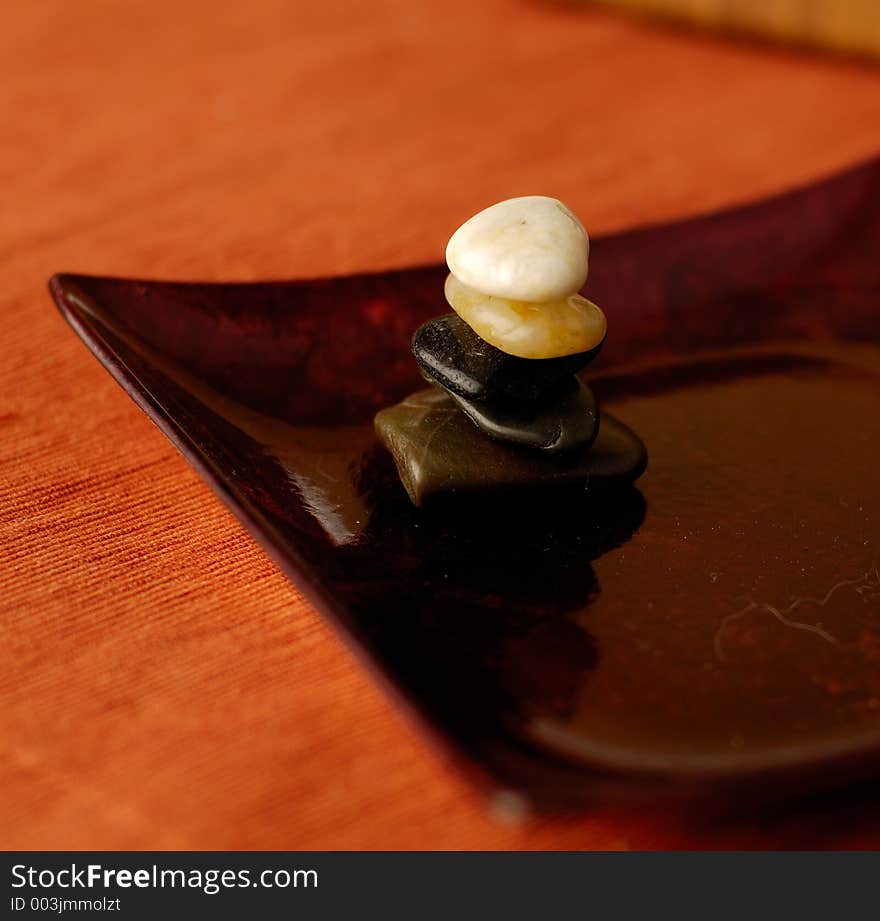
(451, 354)
(563, 421)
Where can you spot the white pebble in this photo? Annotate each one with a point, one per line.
(527, 249)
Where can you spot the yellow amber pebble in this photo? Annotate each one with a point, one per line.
(526, 329)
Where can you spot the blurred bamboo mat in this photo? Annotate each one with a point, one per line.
(160, 684)
(845, 25)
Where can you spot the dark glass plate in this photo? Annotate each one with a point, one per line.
(715, 632)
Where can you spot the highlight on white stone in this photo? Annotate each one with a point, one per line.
(527, 249)
(564, 326)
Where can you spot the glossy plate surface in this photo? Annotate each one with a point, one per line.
(714, 632)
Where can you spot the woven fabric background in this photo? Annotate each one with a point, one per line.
(161, 685)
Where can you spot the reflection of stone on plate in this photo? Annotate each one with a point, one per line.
(439, 453)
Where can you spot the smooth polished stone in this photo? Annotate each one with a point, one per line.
(529, 249)
(565, 420)
(551, 329)
(441, 455)
(451, 354)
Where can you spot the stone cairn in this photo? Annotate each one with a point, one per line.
(506, 410)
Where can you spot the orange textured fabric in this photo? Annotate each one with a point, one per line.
(162, 686)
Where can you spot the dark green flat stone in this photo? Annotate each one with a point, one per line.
(451, 354)
(440, 454)
(566, 420)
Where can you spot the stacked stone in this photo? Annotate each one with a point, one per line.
(520, 332)
(507, 409)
